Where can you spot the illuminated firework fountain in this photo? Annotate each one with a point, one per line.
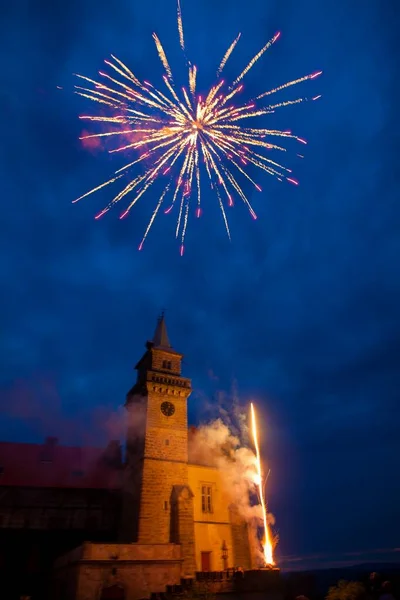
(173, 132)
(267, 539)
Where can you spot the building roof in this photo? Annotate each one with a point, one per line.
(51, 465)
(160, 341)
(160, 337)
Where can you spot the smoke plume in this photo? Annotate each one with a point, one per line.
(215, 444)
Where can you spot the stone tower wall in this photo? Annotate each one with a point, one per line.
(157, 458)
(182, 526)
(159, 477)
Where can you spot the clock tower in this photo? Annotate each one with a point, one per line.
(158, 504)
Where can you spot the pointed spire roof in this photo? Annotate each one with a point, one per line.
(160, 337)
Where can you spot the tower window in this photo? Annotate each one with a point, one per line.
(206, 499)
(167, 364)
(165, 505)
(167, 442)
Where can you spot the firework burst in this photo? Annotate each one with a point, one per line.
(179, 136)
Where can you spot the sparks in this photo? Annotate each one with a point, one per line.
(267, 541)
(179, 136)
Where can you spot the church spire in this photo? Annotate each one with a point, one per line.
(160, 337)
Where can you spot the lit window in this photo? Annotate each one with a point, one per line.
(206, 499)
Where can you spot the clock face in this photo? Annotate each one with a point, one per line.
(167, 409)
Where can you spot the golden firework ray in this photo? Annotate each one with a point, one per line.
(267, 544)
(173, 132)
(227, 55)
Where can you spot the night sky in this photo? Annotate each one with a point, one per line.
(300, 312)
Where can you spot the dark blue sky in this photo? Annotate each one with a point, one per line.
(301, 310)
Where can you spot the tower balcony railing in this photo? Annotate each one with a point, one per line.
(168, 380)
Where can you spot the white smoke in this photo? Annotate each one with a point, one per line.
(215, 444)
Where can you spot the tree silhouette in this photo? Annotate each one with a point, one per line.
(346, 590)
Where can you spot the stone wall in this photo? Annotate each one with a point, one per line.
(159, 356)
(155, 508)
(182, 527)
(140, 569)
(129, 552)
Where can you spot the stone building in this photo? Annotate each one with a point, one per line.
(127, 529)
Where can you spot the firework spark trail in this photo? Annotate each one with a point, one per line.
(227, 55)
(192, 79)
(257, 57)
(177, 129)
(163, 56)
(267, 541)
(289, 84)
(180, 26)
